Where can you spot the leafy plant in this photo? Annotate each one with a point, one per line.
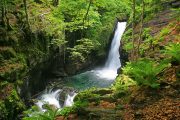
(35, 114)
(81, 51)
(67, 110)
(173, 50)
(145, 71)
(123, 82)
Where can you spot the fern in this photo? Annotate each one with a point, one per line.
(145, 71)
(35, 114)
(173, 50)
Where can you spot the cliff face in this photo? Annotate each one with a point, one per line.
(23, 46)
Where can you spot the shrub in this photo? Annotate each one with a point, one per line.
(144, 71)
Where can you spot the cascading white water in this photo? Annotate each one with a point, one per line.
(52, 98)
(69, 100)
(49, 97)
(113, 61)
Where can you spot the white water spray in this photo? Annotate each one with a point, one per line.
(49, 97)
(69, 100)
(52, 98)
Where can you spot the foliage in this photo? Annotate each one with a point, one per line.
(50, 113)
(58, 42)
(148, 39)
(77, 105)
(84, 95)
(35, 114)
(161, 36)
(10, 104)
(145, 71)
(173, 50)
(83, 48)
(7, 53)
(123, 82)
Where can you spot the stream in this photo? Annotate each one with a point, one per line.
(99, 77)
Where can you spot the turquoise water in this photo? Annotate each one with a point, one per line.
(87, 80)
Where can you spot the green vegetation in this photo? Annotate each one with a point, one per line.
(78, 31)
(35, 114)
(173, 50)
(145, 71)
(10, 104)
(50, 112)
(123, 82)
(81, 51)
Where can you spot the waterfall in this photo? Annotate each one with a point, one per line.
(113, 62)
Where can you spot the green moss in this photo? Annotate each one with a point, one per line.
(87, 95)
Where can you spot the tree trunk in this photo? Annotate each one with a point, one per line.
(85, 16)
(141, 29)
(27, 17)
(3, 14)
(6, 17)
(133, 29)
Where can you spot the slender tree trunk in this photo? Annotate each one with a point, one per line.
(85, 16)
(26, 12)
(141, 29)
(3, 13)
(64, 47)
(133, 28)
(6, 17)
(55, 3)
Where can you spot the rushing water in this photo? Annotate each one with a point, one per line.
(49, 97)
(53, 97)
(100, 77)
(69, 99)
